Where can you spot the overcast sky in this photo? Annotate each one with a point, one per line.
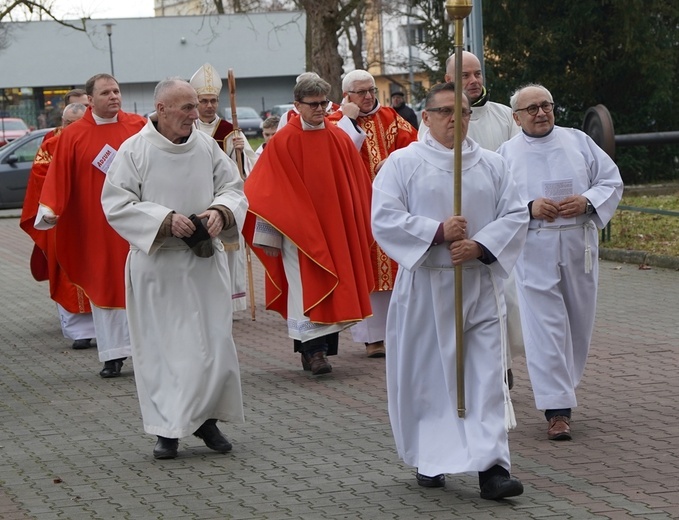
(73, 9)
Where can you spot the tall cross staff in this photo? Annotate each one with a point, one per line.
(239, 161)
(458, 10)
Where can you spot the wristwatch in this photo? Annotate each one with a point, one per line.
(589, 209)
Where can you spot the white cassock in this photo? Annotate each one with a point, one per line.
(557, 273)
(412, 195)
(178, 304)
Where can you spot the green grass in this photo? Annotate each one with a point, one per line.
(255, 142)
(656, 234)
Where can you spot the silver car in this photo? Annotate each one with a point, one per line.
(16, 160)
(248, 120)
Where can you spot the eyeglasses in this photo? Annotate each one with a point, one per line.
(449, 111)
(209, 101)
(315, 104)
(364, 93)
(533, 110)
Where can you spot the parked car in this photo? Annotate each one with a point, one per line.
(248, 120)
(281, 110)
(12, 128)
(16, 159)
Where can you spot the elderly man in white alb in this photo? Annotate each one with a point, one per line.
(170, 186)
(208, 85)
(571, 187)
(412, 220)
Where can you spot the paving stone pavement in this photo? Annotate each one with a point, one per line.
(72, 445)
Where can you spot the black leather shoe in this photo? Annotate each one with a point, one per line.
(80, 344)
(112, 368)
(431, 482)
(165, 448)
(498, 487)
(212, 437)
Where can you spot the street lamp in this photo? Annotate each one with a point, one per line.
(109, 31)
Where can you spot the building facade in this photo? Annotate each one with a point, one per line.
(45, 59)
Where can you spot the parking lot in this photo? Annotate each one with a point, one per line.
(72, 444)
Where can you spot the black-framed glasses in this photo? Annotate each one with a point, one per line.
(533, 110)
(449, 111)
(313, 105)
(364, 93)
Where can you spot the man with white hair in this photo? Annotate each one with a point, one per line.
(376, 131)
(168, 186)
(571, 187)
(75, 313)
(207, 84)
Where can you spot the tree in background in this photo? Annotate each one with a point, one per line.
(623, 54)
(23, 10)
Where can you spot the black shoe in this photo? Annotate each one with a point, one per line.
(431, 482)
(510, 379)
(80, 344)
(112, 368)
(212, 437)
(165, 448)
(498, 487)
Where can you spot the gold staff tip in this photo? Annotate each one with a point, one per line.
(459, 9)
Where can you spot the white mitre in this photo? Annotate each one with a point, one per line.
(206, 81)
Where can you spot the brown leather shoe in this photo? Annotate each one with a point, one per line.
(559, 428)
(375, 350)
(318, 363)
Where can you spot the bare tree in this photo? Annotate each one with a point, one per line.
(22, 10)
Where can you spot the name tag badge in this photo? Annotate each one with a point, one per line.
(104, 158)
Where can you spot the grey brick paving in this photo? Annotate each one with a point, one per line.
(72, 446)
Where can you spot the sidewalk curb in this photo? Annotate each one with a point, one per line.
(639, 257)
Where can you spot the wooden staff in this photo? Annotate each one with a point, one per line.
(458, 10)
(239, 161)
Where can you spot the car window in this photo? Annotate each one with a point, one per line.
(13, 124)
(26, 152)
(247, 113)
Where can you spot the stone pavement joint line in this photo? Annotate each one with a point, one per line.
(72, 444)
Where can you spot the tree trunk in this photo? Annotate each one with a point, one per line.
(322, 55)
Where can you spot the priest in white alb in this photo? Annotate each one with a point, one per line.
(571, 187)
(412, 220)
(178, 288)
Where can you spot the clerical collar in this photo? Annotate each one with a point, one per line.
(538, 136)
(206, 127)
(309, 126)
(375, 109)
(485, 97)
(104, 120)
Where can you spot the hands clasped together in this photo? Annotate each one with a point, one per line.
(461, 248)
(182, 227)
(549, 210)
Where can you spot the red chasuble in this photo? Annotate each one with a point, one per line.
(89, 251)
(385, 131)
(44, 265)
(313, 187)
